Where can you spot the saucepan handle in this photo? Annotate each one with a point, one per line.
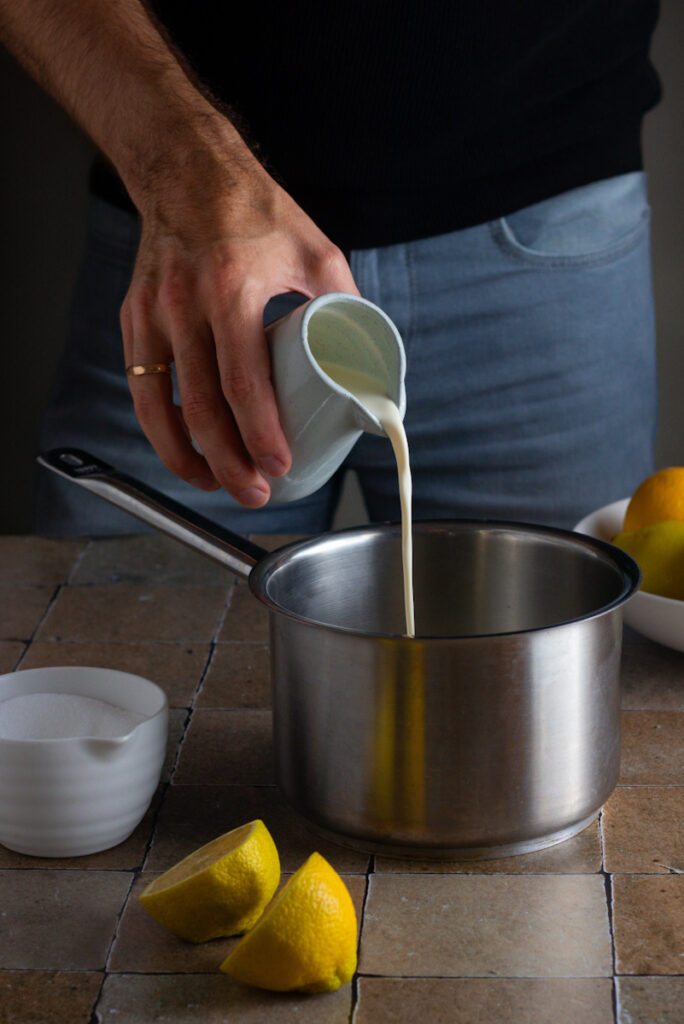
(154, 508)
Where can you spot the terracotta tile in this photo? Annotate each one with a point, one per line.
(142, 945)
(579, 855)
(239, 676)
(59, 920)
(652, 748)
(21, 610)
(227, 748)
(191, 816)
(650, 1000)
(481, 925)
(37, 561)
(643, 830)
(147, 558)
(467, 1000)
(10, 653)
(648, 922)
(213, 999)
(39, 997)
(177, 668)
(127, 856)
(130, 614)
(652, 677)
(246, 618)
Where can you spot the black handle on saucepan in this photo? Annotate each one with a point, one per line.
(154, 508)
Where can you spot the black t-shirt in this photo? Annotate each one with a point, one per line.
(394, 121)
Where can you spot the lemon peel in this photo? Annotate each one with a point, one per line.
(221, 889)
(659, 551)
(306, 940)
(658, 498)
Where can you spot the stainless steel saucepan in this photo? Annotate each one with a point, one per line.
(494, 731)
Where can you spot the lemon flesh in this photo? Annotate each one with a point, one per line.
(220, 889)
(659, 498)
(659, 550)
(306, 940)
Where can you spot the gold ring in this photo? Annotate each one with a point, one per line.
(141, 368)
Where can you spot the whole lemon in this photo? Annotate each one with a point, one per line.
(659, 550)
(658, 498)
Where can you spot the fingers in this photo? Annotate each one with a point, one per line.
(210, 420)
(152, 395)
(328, 271)
(203, 310)
(244, 371)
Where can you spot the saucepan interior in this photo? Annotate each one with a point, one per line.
(472, 578)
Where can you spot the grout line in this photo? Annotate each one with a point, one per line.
(94, 1015)
(370, 870)
(507, 977)
(617, 1009)
(174, 765)
(118, 922)
(203, 676)
(226, 608)
(50, 606)
(79, 558)
(608, 885)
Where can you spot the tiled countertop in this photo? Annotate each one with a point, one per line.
(588, 932)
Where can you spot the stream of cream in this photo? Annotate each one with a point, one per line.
(370, 393)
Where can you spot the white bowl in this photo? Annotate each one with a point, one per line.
(67, 797)
(659, 618)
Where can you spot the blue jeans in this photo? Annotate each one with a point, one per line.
(531, 381)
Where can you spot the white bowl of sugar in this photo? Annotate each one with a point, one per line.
(81, 752)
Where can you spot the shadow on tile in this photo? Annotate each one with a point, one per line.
(227, 748)
(191, 816)
(144, 946)
(238, 677)
(579, 855)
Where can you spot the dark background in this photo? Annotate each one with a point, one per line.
(43, 176)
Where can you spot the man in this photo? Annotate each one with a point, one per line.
(473, 169)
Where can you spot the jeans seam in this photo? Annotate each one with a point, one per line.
(531, 258)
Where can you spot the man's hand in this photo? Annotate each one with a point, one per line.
(219, 236)
(210, 258)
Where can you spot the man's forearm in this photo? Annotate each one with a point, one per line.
(108, 65)
(219, 236)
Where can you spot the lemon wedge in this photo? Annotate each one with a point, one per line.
(220, 889)
(306, 940)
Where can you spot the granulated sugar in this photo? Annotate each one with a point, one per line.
(41, 716)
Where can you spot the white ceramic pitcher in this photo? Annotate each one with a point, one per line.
(320, 419)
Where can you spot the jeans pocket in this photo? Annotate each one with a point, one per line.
(593, 224)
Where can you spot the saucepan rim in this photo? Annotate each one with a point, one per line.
(609, 553)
